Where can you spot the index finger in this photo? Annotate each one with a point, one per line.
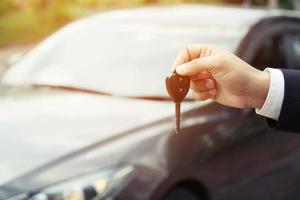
(189, 53)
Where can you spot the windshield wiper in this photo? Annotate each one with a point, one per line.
(71, 89)
(75, 89)
(157, 98)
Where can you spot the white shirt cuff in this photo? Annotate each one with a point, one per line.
(273, 102)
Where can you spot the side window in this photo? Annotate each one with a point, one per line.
(291, 47)
(270, 54)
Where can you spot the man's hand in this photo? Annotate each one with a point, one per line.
(220, 75)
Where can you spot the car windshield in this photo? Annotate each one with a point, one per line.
(129, 60)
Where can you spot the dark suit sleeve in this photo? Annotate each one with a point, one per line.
(289, 119)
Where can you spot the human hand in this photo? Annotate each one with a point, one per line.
(220, 75)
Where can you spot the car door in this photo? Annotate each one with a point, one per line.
(291, 49)
(266, 165)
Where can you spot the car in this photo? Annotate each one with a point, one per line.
(85, 114)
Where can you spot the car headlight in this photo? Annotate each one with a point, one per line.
(86, 187)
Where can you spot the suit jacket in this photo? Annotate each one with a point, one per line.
(289, 118)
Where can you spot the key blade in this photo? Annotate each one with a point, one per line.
(177, 117)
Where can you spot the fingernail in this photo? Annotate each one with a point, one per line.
(181, 68)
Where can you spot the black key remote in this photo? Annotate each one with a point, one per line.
(177, 87)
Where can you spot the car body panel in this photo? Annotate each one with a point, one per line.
(64, 122)
(64, 145)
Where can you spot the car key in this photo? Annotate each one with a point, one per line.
(177, 87)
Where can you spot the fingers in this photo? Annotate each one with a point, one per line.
(197, 61)
(201, 75)
(191, 52)
(213, 93)
(203, 85)
(182, 57)
(204, 89)
(196, 66)
(201, 96)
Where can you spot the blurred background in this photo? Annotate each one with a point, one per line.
(25, 22)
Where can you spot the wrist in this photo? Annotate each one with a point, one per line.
(259, 89)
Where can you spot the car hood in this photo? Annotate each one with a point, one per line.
(36, 129)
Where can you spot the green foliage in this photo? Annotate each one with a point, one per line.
(35, 20)
(286, 4)
(5, 6)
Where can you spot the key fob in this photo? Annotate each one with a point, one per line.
(177, 86)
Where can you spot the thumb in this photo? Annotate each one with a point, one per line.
(196, 66)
